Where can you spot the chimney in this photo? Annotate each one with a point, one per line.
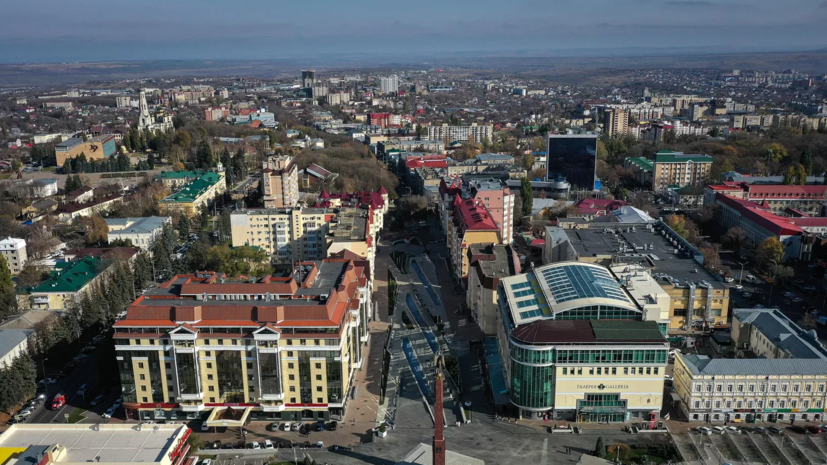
(439, 438)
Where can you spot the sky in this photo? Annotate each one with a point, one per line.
(106, 30)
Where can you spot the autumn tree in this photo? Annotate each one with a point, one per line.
(8, 298)
(775, 152)
(96, 230)
(770, 250)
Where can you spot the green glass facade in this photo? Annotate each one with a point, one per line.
(612, 356)
(532, 386)
(599, 312)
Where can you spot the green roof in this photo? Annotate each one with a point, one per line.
(642, 163)
(72, 276)
(626, 330)
(176, 175)
(668, 156)
(194, 189)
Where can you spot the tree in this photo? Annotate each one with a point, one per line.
(160, 257)
(96, 230)
(31, 275)
(168, 238)
(775, 152)
(735, 237)
(769, 250)
(806, 160)
(73, 182)
(528, 161)
(183, 227)
(712, 261)
(600, 448)
(808, 321)
(195, 442)
(527, 196)
(8, 298)
(800, 174)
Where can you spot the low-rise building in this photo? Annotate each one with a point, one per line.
(670, 168)
(69, 211)
(66, 284)
(284, 347)
(14, 251)
(594, 371)
(141, 231)
(488, 264)
(806, 199)
(109, 444)
(768, 333)
(13, 343)
(195, 195)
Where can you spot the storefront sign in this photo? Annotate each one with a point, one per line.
(602, 386)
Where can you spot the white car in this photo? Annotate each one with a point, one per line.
(256, 445)
(24, 413)
(109, 412)
(668, 377)
(204, 427)
(206, 462)
(738, 287)
(268, 444)
(286, 425)
(703, 430)
(733, 430)
(97, 399)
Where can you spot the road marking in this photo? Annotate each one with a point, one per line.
(544, 456)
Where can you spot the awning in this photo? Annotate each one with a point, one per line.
(228, 416)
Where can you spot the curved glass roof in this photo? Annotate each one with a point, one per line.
(580, 281)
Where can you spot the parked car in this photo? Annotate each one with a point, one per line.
(204, 426)
(718, 430)
(273, 426)
(775, 430)
(23, 413)
(333, 425)
(97, 400)
(268, 444)
(320, 426)
(82, 390)
(733, 430)
(206, 462)
(109, 412)
(255, 445)
(286, 425)
(118, 402)
(798, 429)
(738, 287)
(747, 294)
(703, 430)
(297, 426)
(814, 430)
(759, 430)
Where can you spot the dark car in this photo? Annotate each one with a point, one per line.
(798, 429)
(814, 430)
(775, 430)
(333, 425)
(747, 429)
(759, 430)
(320, 426)
(227, 446)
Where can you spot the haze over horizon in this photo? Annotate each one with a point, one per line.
(97, 30)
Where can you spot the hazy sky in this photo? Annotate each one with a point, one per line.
(89, 30)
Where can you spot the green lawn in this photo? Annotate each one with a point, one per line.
(77, 416)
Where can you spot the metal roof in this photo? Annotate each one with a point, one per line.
(702, 365)
(782, 332)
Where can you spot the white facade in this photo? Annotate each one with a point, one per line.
(460, 133)
(13, 342)
(141, 231)
(388, 85)
(14, 251)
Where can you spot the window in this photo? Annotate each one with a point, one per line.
(290, 342)
(143, 388)
(290, 366)
(751, 388)
(140, 364)
(292, 388)
(249, 365)
(599, 372)
(697, 388)
(291, 377)
(719, 387)
(318, 366)
(783, 388)
(740, 388)
(808, 387)
(591, 371)
(302, 342)
(212, 399)
(292, 400)
(565, 371)
(168, 365)
(142, 377)
(728, 388)
(209, 365)
(211, 388)
(318, 389)
(318, 377)
(773, 387)
(209, 377)
(143, 399)
(796, 387)
(319, 400)
(289, 353)
(697, 404)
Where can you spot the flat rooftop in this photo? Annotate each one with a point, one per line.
(589, 332)
(642, 246)
(86, 443)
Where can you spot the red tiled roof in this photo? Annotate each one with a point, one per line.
(761, 216)
(475, 216)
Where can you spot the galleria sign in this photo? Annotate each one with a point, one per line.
(602, 386)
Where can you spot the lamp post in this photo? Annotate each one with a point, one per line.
(772, 283)
(741, 276)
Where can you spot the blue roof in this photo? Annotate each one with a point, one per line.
(581, 282)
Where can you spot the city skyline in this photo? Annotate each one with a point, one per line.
(217, 30)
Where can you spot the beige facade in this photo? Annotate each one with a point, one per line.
(285, 233)
(615, 122)
(679, 169)
(280, 182)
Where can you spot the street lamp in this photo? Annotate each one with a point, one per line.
(772, 283)
(741, 276)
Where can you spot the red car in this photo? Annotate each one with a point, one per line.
(814, 430)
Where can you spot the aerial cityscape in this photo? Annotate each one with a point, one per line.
(230, 242)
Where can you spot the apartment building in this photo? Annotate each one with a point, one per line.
(615, 122)
(14, 251)
(195, 195)
(281, 347)
(451, 133)
(288, 234)
(66, 284)
(471, 223)
(679, 169)
(499, 201)
(280, 182)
